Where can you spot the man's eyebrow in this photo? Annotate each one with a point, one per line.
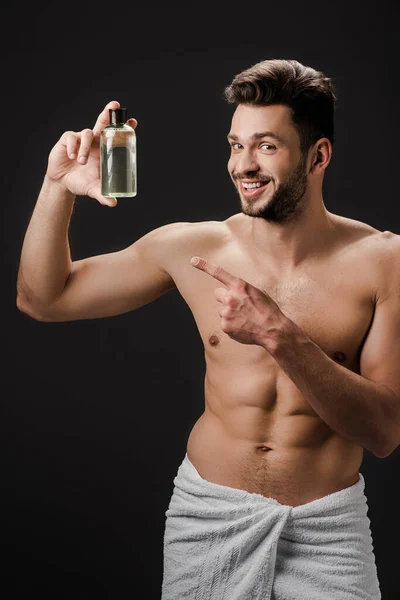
(258, 136)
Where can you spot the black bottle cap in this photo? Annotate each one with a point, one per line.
(117, 115)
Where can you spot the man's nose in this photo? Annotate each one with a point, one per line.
(247, 161)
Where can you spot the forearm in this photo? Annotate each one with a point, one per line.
(45, 262)
(354, 407)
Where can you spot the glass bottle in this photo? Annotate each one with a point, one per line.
(118, 170)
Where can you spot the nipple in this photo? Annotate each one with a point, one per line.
(214, 341)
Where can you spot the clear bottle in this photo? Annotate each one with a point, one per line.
(118, 168)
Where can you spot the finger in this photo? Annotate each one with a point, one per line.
(72, 144)
(217, 272)
(132, 122)
(104, 118)
(225, 312)
(221, 294)
(84, 148)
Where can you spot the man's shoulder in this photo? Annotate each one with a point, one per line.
(387, 263)
(378, 250)
(211, 230)
(361, 233)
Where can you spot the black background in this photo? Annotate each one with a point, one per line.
(96, 413)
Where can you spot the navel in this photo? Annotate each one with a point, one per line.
(339, 356)
(213, 340)
(263, 448)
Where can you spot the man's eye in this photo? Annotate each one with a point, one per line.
(237, 144)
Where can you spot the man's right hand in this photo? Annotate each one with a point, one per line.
(65, 166)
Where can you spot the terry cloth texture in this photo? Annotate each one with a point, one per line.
(223, 543)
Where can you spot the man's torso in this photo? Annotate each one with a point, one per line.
(258, 432)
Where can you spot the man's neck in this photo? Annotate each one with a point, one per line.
(287, 245)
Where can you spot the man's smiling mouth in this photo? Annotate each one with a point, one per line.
(252, 189)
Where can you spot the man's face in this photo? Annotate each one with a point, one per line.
(276, 162)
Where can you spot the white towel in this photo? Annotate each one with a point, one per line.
(223, 543)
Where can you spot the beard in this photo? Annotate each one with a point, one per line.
(286, 203)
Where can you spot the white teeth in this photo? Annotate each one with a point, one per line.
(249, 186)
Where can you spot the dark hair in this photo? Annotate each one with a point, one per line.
(308, 93)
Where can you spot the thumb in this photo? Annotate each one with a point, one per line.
(105, 200)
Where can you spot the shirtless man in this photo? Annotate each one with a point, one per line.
(298, 308)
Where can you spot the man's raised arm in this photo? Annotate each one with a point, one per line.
(50, 287)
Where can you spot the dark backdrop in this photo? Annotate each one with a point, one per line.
(96, 413)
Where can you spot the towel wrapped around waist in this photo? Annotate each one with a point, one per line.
(223, 543)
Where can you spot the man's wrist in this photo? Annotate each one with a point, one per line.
(286, 333)
(54, 194)
(53, 182)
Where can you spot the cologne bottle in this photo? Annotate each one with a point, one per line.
(118, 169)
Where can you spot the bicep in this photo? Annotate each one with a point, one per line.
(380, 355)
(118, 282)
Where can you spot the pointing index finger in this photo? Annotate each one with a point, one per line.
(217, 272)
(104, 118)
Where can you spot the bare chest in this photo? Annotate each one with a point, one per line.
(333, 304)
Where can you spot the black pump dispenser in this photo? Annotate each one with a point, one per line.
(117, 115)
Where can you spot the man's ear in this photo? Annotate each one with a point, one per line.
(322, 155)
